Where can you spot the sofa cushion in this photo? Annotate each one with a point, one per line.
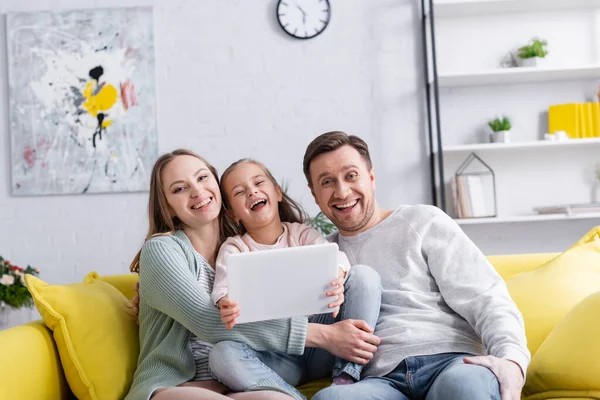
(95, 333)
(567, 364)
(544, 296)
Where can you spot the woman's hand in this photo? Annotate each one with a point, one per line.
(229, 311)
(338, 292)
(134, 303)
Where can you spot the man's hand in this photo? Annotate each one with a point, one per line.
(509, 374)
(229, 311)
(338, 290)
(350, 339)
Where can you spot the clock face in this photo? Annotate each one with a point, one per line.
(303, 19)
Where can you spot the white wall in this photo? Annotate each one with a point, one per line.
(231, 84)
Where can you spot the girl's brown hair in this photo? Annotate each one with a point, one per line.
(160, 221)
(289, 210)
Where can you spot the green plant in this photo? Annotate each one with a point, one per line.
(13, 291)
(537, 48)
(321, 223)
(499, 125)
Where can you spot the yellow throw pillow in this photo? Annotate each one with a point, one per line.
(544, 296)
(567, 364)
(593, 234)
(95, 333)
(124, 282)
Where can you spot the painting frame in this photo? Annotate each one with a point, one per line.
(82, 101)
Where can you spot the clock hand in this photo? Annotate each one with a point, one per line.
(303, 13)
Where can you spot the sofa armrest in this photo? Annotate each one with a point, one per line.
(30, 367)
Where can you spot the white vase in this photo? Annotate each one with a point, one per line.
(3, 315)
(500, 137)
(533, 62)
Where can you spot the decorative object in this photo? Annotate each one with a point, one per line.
(500, 130)
(474, 189)
(303, 19)
(13, 292)
(532, 54)
(82, 101)
(556, 136)
(321, 223)
(509, 61)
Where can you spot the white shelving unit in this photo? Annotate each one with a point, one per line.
(528, 173)
(457, 8)
(541, 144)
(517, 75)
(527, 218)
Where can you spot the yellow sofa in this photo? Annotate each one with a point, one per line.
(31, 367)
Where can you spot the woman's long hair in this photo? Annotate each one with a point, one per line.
(289, 210)
(160, 221)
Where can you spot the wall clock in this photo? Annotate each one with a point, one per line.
(303, 19)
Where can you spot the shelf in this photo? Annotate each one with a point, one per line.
(526, 218)
(457, 8)
(494, 147)
(518, 75)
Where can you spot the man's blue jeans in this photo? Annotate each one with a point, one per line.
(434, 377)
(243, 369)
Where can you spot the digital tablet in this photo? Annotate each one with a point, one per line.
(282, 283)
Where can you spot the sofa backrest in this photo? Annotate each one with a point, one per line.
(507, 266)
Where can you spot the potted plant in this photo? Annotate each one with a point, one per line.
(532, 54)
(500, 130)
(321, 223)
(13, 292)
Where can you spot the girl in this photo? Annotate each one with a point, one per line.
(176, 316)
(267, 219)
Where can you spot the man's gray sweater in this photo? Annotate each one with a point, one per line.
(440, 293)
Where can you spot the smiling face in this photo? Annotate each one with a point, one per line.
(344, 188)
(252, 197)
(191, 190)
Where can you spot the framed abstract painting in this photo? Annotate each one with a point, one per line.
(82, 101)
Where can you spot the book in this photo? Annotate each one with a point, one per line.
(569, 209)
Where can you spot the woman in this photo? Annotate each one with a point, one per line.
(176, 316)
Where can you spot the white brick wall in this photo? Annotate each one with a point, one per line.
(231, 84)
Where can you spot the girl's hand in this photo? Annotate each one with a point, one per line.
(341, 273)
(338, 291)
(229, 311)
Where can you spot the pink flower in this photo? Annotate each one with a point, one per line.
(7, 280)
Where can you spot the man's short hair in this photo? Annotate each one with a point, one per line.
(331, 141)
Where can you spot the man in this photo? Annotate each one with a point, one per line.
(448, 327)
